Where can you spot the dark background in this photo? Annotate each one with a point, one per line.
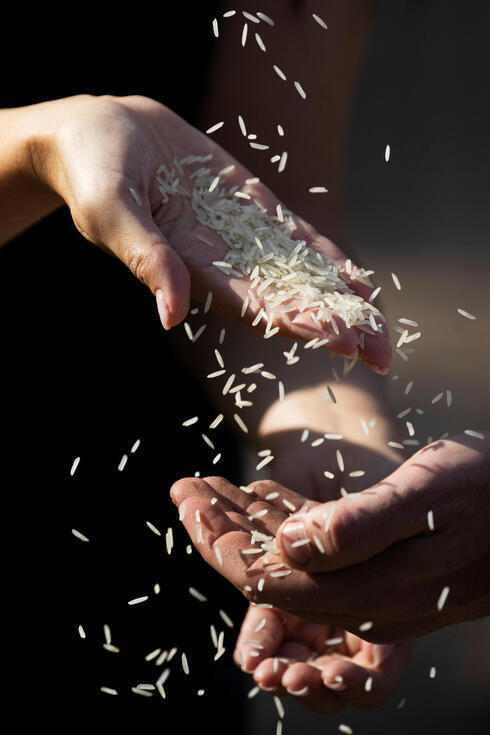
(86, 370)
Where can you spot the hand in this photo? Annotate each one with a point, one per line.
(324, 676)
(101, 155)
(290, 656)
(378, 565)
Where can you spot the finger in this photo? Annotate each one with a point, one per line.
(353, 529)
(129, 232)
(304, 681)
(246, 561)
(367, 680)
(262, 627)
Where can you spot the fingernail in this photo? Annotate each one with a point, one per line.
(162, 308)
(337, 683)
(300, 692)
(292, 534)
(381, 652)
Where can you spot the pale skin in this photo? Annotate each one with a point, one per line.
(89, 152)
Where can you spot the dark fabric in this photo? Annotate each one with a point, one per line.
(86, 370)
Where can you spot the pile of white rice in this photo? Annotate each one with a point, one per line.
(282, 271)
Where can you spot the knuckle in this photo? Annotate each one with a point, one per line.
(140, 262)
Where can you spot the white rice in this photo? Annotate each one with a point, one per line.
(226, 619)
(334, 641)
(320, 21)
(79, 535)
(300, 90)
(207, 305)
(396, 281)
(81, 631)
(122, 463)
(317, 190)
(279, 707)
(185, 664)
(162, 658)
(346, 729)
(432, 672)
(153, 528)
(214, 128)
(366, 626)
(135, 446)
(442, 598)
(260, 42)
(244, 34)
(369, 684)
(216, 422)
(215, 28)
(138, 600)
(135, 196)
(279, 72)
(474, 434)
(189, 422)
(109, 690)
(265, 18)
(466, 314)
(217, 458)
(387, 153)
(251, 17)
(74, 466)
(198, 595)
(340, 460)
(107, 634)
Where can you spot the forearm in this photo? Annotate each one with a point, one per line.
(24, 198)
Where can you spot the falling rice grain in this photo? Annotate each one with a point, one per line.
(79, 535)
(260, 42)
(474, 434)
(442, 598)
(320, 21)
(300, 90)
(226, 619)
(396, 281)
(108, 690)
(138, 600)
(340, 460)
(466, 314)
(265, 18)
(279, 72)
(153, 528)
(74, 466)
(244, 34)
(198, 595)
(214, 128)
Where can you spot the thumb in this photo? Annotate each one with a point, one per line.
(338, 534)
(134, 238)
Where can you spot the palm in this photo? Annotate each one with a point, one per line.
(285, 652)
(324, 666)
(172, 139)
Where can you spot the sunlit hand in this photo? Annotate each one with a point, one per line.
(319, 663)
(324, 667)
(101, 155)
(369, 562)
